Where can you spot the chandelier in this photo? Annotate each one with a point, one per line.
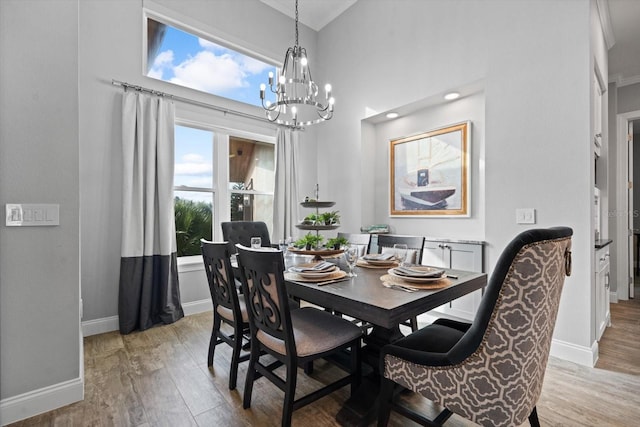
(297, 104)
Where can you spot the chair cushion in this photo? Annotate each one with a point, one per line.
(228, 314)
(315, 332)
(426, 346)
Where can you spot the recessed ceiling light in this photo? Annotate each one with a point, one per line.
(392, 115)
(451, 96)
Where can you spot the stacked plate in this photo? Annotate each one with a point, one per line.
(380, 259)
(417, 274)
(314, 270)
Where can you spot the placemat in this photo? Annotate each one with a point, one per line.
(339, 274)
(438, 284)
(365, 264)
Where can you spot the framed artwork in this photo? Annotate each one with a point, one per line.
(430, 173)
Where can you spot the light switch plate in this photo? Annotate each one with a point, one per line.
(525, 216)
(32, 214)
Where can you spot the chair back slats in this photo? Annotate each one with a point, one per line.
(415, 243)
(241, 232)
(363, 241)
(266, 296)
(217, 266)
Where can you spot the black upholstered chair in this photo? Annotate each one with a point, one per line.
(490, 371)
(293, 337)
(415, 245)
(363, 241)
(228, 306)
(241, 232)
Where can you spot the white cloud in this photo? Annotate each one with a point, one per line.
(253, 66)
(193, 165)
(210, 73)
(163, 59)
(209, 45)
(155, 73)
(193, 158)
(192, 169)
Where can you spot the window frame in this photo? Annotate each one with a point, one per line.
(214, 36)
(221, 209)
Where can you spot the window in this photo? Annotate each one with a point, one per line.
(219, 177)
(193, 192)
(251, 180)
(182, 58)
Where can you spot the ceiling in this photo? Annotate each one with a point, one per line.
(622, 28)
(624, 55)
(314, 14)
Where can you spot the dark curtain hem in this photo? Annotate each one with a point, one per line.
(149, 292)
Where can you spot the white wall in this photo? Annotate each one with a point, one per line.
(535, 60)
(444, 113)
(39, 266)
(111, 48)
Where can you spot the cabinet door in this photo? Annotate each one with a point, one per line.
(433, 254)
(463, 256)
(601, 313)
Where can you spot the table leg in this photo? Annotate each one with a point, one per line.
(361, 409)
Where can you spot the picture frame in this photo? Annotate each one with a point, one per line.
(430, 173)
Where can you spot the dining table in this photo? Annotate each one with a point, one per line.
(366, 298)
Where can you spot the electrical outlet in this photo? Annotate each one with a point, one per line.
(525, 216)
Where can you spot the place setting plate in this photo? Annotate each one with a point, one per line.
(307, 271)
(417, 275)
(377, 261)
(331, 276)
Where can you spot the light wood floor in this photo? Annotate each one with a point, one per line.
(159, 378)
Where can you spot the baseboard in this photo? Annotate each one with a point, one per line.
(39, 401)
(100, 326)
(575, 353)
(195, 307)
(110, 324)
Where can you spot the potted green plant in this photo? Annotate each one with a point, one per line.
(336, 242)
(329, 218)
(309, 241)
(312, 219)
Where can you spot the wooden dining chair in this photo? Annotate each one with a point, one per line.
(363, 241)
(415, 245)
(293, 337)
(241, 232)
(228, 306)
(489, 371)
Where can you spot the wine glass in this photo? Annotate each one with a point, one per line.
(256, 242)
(400, 251)
(351, 253)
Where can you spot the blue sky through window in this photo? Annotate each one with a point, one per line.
(193, 157)
(187, 60)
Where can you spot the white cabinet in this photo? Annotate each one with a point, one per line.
(461, 256)
(603, 316)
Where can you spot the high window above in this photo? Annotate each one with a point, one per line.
(182, 58)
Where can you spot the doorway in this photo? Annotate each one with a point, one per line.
(627, 217)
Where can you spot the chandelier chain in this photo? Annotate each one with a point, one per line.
(296, 22)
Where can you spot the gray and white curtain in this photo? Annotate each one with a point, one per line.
(285, 199)
(149, 292)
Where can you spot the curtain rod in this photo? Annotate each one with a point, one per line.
(188, 101)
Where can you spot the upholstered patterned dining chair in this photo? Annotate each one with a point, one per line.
(490, 371)
(293, 337)
(228, 306)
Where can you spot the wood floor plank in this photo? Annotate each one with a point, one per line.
(160, 377)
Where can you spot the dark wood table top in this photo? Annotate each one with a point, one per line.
(364, 297)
